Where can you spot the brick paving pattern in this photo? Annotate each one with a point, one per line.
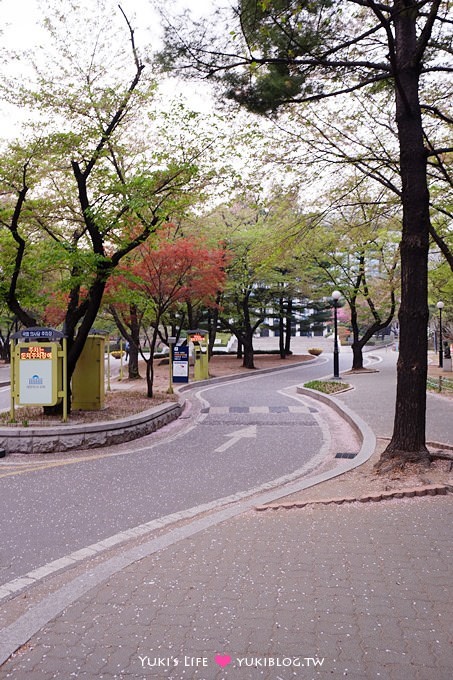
(363, 589)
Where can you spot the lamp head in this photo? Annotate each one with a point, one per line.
(440, 305)
(336, 295)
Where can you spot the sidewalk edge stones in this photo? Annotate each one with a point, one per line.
(410, 492)
(87, 435)
(358, 425)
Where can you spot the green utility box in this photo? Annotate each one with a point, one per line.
(88, 386)
(199, 339)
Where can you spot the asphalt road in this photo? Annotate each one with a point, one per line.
(249, 432)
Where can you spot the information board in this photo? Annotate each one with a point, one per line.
(37, 373)
(181, 363)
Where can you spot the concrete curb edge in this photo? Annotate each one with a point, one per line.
(418, 491)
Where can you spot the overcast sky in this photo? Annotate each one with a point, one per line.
(20, 30)
(20, 19)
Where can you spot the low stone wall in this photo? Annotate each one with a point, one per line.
(66, 437)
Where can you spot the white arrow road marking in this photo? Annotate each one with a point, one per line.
(249, 431)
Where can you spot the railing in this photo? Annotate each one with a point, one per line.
(440, 384)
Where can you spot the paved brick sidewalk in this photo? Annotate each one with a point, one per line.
(364, 590)
(373, 398)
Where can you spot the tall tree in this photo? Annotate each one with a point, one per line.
(90, 183)
(241, 227)
(165, 273)
(355, 245)
(288, 53)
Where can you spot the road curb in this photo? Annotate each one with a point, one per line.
(411, 492)
(360, 427)
(61, 438)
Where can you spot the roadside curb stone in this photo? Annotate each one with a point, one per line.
(426, 490)
(88, 435)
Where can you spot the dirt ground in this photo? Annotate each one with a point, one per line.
(365, 480)
(220, 365)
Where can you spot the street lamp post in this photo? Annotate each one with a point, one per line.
(171, 344)
(440, 306)
(336, 364)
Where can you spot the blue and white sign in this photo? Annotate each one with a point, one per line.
(181, 364)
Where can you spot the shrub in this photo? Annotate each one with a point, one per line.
(117, 353)
(315, 351)
(327, 386)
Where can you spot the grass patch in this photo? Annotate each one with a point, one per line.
(326, 386)
(440, 384)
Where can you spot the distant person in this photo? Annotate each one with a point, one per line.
(127, 348)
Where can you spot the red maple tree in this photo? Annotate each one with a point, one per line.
(166, 273)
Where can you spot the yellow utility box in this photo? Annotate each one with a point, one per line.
(37, 373)
(199, 340)
(88, 386)
(38, 369)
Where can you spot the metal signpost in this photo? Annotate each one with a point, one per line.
(336, 364)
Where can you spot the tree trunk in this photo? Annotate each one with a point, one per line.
(149, 377)
(150, 361)
(357, 355)
(132, 368)
(248, 358)
(408, 440)
(191, 323)
(213, 320)
(5, 353)
(76, 343)
(5, 349)
(134, 343)
(247, 335)
(357, 346)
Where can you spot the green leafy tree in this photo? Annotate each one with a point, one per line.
(356, 248)
(90, 185)
(242, 229)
